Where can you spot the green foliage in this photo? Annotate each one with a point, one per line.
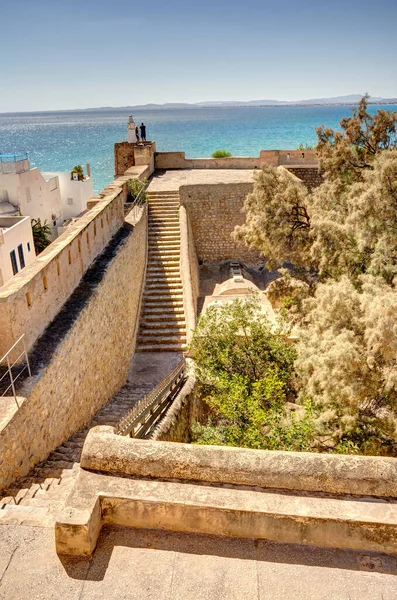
(245, 368)
(80, 172)
(41, 234)
(221, 154)
(137, 191)
(305, 147)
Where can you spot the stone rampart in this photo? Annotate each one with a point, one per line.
(189, 272)
(310, 176)
(299, 471)
(275, 158)
(127, 155)
(214, 211)
(91, 362)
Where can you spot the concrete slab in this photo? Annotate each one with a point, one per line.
(153, 565)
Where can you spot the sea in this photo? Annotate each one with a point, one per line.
(57, 141)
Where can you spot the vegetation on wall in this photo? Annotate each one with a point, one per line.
(41, 234)
(341, 292)
(78, 169)
(221, 154)
(137, 191)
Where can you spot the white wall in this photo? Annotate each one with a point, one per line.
(74, 194)
(35, 197)
(13, 232)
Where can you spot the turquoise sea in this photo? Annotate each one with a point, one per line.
(56, 141)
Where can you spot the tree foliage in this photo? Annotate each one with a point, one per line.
(346, 154)
(41, 234)
(342, 290)
(245, 369)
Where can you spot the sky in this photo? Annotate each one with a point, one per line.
(77, 54)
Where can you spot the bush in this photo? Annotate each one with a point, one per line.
(221, 154)
(244, 366)
(41, 234)
(137, 191)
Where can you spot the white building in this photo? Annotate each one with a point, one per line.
(29, 191)
(74, 193)
(16, 246)
(50, 197)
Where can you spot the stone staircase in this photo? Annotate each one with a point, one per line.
(162, 326)
(37, 499)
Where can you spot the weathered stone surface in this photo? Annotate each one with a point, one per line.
(330, 473)
(89, 365)
(230, 511)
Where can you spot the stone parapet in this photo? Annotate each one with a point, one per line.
(304, 471)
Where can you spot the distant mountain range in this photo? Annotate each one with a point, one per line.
(350, 99)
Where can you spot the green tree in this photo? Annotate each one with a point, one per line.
(244, 366)
(80, 172)
(41, 235)
(221, 154)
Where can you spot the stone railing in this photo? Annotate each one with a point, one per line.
(275, 158)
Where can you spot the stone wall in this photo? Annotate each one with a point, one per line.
(127, 155)
(189, 273)
(214, 211)
(31, 299)
(187, 408)
(275, 158)
(310, 176)
(88, 365)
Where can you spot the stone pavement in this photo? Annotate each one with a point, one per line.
(38, 498)
(138, 564)
(173, 179)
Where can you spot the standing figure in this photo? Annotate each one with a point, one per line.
(143, 132)
(137, 134)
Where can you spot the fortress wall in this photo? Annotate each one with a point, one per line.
(88, 366)
(214, 210)
(310, 176)
(31, 299)
(189, 272)
(275, 158)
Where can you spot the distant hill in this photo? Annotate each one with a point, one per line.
(349, 99)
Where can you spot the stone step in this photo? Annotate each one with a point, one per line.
(161, 347)
(154, 320)
(165, 193)
(166, 296)
(164, 311)
(152, 280)
(161, 242)
(165, 335)
(164, 288)
(161, 324)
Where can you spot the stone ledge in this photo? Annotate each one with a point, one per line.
(224, 511)
(305, 471)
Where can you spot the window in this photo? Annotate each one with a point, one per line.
(54, 223)
(14, 262)
(70, 201)
(21, 256)
(28, 246)
(28, 194)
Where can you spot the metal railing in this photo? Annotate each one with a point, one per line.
(6, 361)
(146, 414)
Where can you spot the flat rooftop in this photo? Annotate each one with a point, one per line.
(141, 565)
(174, 179)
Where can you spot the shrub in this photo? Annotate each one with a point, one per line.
(41, 233)
(221, 154)
(245, 369)
(137, 191)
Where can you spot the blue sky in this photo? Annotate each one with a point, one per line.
(86, 53)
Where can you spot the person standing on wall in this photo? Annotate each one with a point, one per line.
(143, 132)
(137, 134)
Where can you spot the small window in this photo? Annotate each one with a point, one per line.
(14, 263)
(28, 194)
(54, 223)
(70, 201)
(28, 246)
(21, 256)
